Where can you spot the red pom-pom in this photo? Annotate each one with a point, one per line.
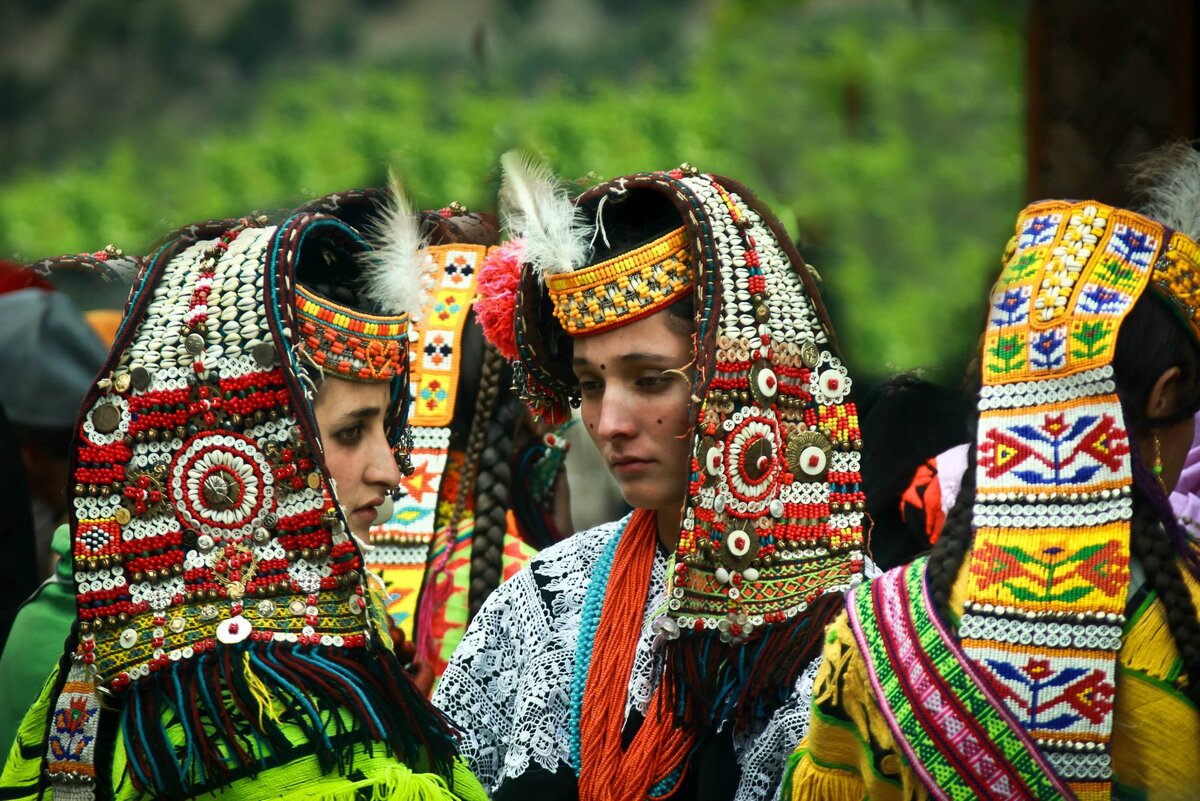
(496, 299)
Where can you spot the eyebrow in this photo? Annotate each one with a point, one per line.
(637, 356)
(362, 413)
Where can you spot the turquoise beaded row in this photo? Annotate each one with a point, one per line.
(593, 603)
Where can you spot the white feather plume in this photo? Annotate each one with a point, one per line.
(1168, 181)
(535, 207)
(396, 274)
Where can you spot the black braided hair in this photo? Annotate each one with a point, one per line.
(493, 497)
(1160, 561)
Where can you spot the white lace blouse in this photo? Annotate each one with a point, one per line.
(508, 685)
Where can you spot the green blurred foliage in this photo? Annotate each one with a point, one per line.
(887, 138)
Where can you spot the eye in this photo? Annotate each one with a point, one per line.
(589, 385)
(652, 382)
(349, 435)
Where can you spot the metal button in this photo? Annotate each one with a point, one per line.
(810, 354)
(264, 354)
(106, 418)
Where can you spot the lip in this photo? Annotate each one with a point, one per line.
(628, 466)
(368, 510)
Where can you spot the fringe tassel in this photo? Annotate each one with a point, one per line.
(266, 702)
(804, 781)
(1149, 646)
(709, 682)
(193, 726)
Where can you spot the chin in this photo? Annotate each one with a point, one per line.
(360, 530)
(639, 496)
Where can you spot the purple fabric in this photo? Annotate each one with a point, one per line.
(1185, 499)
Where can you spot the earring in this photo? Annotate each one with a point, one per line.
(1157, 469)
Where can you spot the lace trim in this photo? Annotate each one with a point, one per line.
(508, 685)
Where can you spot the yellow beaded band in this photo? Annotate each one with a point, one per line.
(623, 289)
(1177, 277)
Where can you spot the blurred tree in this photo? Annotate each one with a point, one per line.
(887, 139)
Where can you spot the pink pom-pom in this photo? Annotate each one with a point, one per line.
(496, 299)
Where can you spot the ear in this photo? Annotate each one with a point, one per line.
(1163, 400)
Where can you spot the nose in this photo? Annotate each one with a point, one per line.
(381, 469)
(618, 414)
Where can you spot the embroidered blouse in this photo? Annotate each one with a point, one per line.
(508, 685)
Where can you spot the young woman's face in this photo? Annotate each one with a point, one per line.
(636, 413)
(350, 416)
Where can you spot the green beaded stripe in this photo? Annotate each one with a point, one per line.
(970, 704)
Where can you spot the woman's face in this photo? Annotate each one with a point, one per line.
(635, 412)
(351, 416)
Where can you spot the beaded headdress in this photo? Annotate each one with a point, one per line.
(772, 524)
(1049, 571)
(220, 597)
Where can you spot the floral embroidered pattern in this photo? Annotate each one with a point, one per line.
(1052, 696)
(1049, 571)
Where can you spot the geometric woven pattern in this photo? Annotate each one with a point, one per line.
(435, 358)
(957, 738)
(401, 545)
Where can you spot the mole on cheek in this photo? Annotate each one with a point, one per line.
(660, 421)
(602, 365)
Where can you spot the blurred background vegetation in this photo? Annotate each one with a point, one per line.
(887, 134)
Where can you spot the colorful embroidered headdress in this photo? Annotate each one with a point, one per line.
(222, 604)
(772, 525)
(1049, 571)
(462, 418)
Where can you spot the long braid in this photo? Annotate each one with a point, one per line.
(490, 375)
(489, 387)
(493, 498)
(1150, 545)
(950, 551)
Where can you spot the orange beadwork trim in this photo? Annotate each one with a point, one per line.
(623, 289)
(659, 746)
(350, 343)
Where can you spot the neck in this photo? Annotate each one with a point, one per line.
(668, 526)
